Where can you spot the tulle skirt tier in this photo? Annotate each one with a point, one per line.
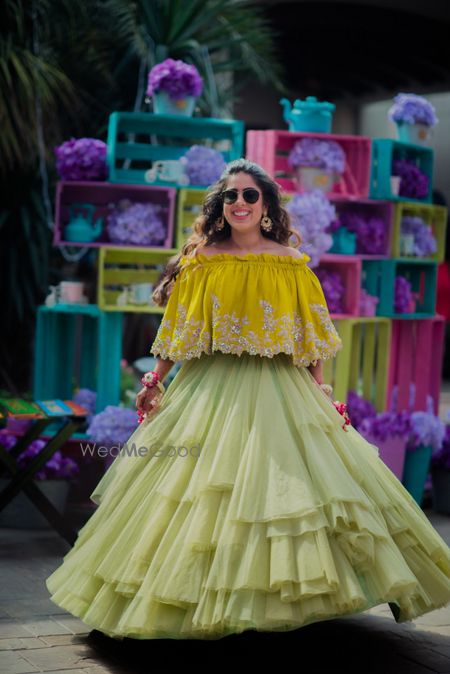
(243, 504)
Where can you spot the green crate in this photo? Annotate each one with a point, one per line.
(435, 216)
(137, 139)
(122, 268)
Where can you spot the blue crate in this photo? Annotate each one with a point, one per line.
(137, 139)
(384, 151)
(96, 361)
(378, 278)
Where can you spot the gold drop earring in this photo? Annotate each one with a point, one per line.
(266, 223)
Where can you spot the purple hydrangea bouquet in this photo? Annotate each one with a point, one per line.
(371, 232)
(414, 116)
(203, 165)
(311, 215)
(58, 467)
(137, 224)
(416, 237)
(404, 297)
(414, 184)
(81, 159)
(114, 425)
(333, 288)
(174, 85)
(318, 163)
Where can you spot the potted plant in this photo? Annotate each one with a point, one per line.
(53, 480)
(174, 86)
(426, 437)
(136, 224)
(414, 184)
(203, 165)
(440, 476)
(414, 117)
(311, 215)
(416, 237)
(317, 163)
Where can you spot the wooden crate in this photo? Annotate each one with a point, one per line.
(384, 151)
(137, 139)
(349, 269)
(432, 215)
(415, 363)
(189, 207)
(270, 149)
(103, 195)
(121, 268)
(362, 363)
(378, 278)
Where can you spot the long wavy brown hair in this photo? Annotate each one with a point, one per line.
(204, 232)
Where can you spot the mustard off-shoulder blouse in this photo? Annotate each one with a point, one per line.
(260, 303)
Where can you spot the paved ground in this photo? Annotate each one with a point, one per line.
(37, 636)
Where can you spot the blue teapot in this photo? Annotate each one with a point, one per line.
(310, 115)
(81, 227)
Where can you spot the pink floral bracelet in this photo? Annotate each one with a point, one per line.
(150, 380)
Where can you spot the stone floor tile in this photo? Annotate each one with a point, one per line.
(11, 662)
(45, 626)
(70, 656)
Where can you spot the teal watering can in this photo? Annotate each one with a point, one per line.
(81, 227)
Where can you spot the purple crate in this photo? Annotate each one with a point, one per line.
(101, 195)
(369, 208)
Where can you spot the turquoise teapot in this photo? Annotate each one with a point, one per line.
(81, 227)
(310, 115)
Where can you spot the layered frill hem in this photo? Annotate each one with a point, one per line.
(280, 518)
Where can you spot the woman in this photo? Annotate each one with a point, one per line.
(245, 502)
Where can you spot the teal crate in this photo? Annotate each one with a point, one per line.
(137, 139)
(378, 278)
(384, 151)
(77, 344)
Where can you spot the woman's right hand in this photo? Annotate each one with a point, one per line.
(148, 399)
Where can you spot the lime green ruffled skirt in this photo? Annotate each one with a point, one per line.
(243, 504)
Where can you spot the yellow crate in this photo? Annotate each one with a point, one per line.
(122, 269)
(435, 216)
(362, 363)
(189, 207)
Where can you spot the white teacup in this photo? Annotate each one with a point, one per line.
(71, 291)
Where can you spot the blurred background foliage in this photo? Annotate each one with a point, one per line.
(64, 67)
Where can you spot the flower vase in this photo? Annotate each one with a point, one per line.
(21, 513)
(310, 178)
(163, 104)
(392, 452)
(417, 134)
(441, 489)
(417, 465)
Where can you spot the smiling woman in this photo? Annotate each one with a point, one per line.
(284, 516)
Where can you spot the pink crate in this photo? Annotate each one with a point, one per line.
(101, 195)
(270, 149)
(349, 267)
(415, 362)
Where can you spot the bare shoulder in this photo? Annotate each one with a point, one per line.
(213, 249)
(291, 252)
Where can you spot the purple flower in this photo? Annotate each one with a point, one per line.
(81, 159)
(57, 467)
(333, 289)
(203, 165)
(387, 424)
(424, 241)
(113, 425)
(403, 295)
(359, 409)
(87, 399)
(412, 109)
(311, 214)
(413, 183)
(371, 234)
(441, 459)
(136, 224)
(176, 78)
(324, 154)
(426, 429)
(367, 303)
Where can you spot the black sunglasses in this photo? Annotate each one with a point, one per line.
(250, 195)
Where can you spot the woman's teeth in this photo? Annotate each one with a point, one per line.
(241, 214)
